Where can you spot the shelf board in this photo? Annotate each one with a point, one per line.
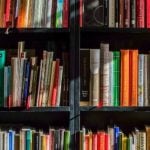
(114, 109)
(33, 30)
(36, 109)
(114, 30)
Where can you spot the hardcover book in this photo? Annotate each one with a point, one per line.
(93, 13)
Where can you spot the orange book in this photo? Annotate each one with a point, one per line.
(101, 140)
(133, 77)
(87, 142)
(124, 90)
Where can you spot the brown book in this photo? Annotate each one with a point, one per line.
(127, 13)
(121, 18)
(2, 12)
(53, 14)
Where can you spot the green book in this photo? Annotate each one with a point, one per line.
(28, 139)
(116, 78)
(2, 64)
(66, 140)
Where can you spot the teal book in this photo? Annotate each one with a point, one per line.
(66, 140)
(59, 13)
(2, 64)
(28, 139)
(116, 78)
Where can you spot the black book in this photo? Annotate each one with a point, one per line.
(93, 13)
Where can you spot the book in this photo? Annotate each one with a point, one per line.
(84, 77)
(2, 63)
(94, 76)
(93, 13)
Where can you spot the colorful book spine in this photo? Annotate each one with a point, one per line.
(59, 13)
(124, 89)
(133, 77)
(2, 63)
(116, 78)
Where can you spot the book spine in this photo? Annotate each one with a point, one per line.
(81, 12)
(2, 63)
(59, 13)
(49, 13)
(141, 81)
(106, 12)
(133, 13)
(111, 78)
(116, 13)
(134, 77)
(5, 85)
(104, 74)
(111, 13)
(66, 14)
(59, 85)
(124, 97)
(146, 80)
(121, 14)
(94, 76)
(116, 138)
(147, 13)
(53, 16)
(66, 140)
(55, 85)
(127, 13)
(2, 13)
(84, 76)
(140, 13)
(116, 78)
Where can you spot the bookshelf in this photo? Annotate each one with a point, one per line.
(43, 117)
(99, 118)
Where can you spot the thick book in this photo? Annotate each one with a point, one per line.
(93, 13)
(124, 88)
(2, 13)
(94, 76)
(104, 74)
(147, 4)
(127, 13)
(84, 76)
(111, 22)
(65, 19)
(133, 13)
(133, 77)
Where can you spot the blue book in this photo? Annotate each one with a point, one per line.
(2, 64)
(5, 85)
(26, 83)
(59, 13)
(28, 139)
(11, 140)
(116, 138)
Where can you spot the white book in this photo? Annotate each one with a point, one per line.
(111, 22)
(141, 80)
(104, 74)
(110, 131)
(49, 13)
(142, 140)
(5, 140)
(94, 76)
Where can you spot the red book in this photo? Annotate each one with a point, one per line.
(148, 13)
(65, 13)
(87, 142)
(55, 85)
(94, 142)
(7, 14)
(140, 13)
(81, 13)
(107, 141)
(101, 140)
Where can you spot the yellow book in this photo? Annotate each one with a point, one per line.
(90, 140)
(43, 145)
(124, 142)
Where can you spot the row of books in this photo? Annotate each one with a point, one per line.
(115, 13)
(114, 139)
(31, 139)
(34, 13)
(25, 82)
(114, 78)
